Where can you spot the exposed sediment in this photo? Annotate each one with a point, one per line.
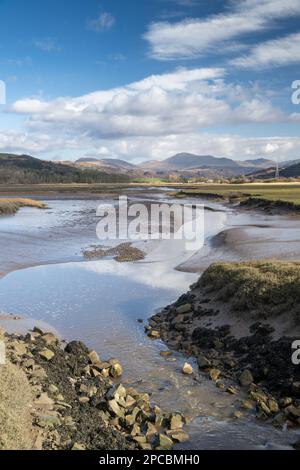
(244, 353)
(73, 400)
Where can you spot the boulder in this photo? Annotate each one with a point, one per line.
(203, 362)
(214, 374)
(47, 354)
(176, 421)
(187, 369)
(246, 378)
(94, 358)
(185, 308)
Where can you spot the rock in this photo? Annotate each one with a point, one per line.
(150, 430)
(78, 446)
(53, 389)
(116, 370)
(178, 435)
(136, 430)
(50, 421)
(246, 378)
(19, 348)
(49, 338)
(83, 400)
(203, 362)
(292, 411)
(47, 354)
(95, 372)
(183, 309)
(44, 401)
(247, 405)
(187, 369)
(145, 446)
(164, 442)
(165, 353)
(140, 439)
(237, 415)
(273, 406)
(38, 330)
(232, 390)
(176, 421)
(214, 374)
(94, 358)
(115, 408)
(154, 334)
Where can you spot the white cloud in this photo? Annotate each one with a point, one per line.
(103, 22)
(152, 118)
(193, 37)
(276, 52)
(175, 103)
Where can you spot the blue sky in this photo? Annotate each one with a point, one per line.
(145, 79)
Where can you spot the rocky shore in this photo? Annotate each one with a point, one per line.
(244, 354)
(59, 395)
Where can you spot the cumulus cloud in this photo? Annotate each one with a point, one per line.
(277, 52)
(175, 103)
(148, 119)
(191, 38)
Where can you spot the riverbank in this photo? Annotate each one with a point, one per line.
(239, 321)
(62, 396)
(10, 206)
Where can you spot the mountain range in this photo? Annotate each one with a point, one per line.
(27, 169)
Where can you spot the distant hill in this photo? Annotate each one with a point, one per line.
(191, 165)
(112, 165)
(19, 169)
(289, 169)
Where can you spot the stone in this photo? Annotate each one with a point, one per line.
(38, 330)
(237, 415)
(20, 348)
(47, 354)
(150, 430)
(49, 421)
(214, 374)
(115, 408)
(273, 406)
(44, 401)
(140, 439)
(84, 400)
(184, 308)
(165, 353)
(176, 421)
(164, 442)
(154, 334)
(49, 338)
(232, 390)
(77, 446)
(246, 378)
(178, 435)
(247, 405)
(187, 369)
(203, 362)
(136, 430)
(94, 358)
(53, 389)
(95, 372)
(129, 402)
(116, 370)
(145, 446)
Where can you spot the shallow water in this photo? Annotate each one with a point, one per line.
(100, 303)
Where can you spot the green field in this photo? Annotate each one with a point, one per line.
(271, 192)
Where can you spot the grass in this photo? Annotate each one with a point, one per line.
(270, 192)
(264, 288)
(12, 205)
(15, 402)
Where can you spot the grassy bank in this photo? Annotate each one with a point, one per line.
(264, 288)
(269, 192)
(12, 205)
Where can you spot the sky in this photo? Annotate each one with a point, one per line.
(146, 79)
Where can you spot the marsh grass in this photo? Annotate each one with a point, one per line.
(264, 288)
(12, 205)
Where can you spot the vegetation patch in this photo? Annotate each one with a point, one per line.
(122, 253)
(264, 288)
(12, 205)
